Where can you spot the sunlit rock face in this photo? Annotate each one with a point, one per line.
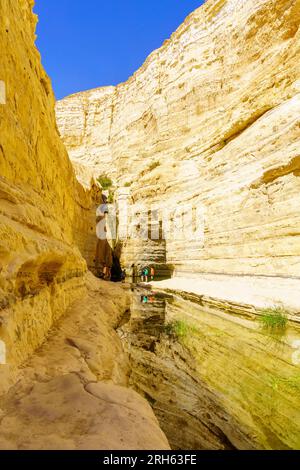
(47, 219)
(210, 120)
(85, 121)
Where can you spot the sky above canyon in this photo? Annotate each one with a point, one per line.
(92, 43)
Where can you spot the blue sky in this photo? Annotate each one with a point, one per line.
(91, 43)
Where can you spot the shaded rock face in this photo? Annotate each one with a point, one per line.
(217, 106)
(47, 220)
(216, 380)
(71, 393)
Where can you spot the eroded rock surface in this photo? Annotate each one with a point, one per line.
(71, 394)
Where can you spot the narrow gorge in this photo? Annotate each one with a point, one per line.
(194, 163)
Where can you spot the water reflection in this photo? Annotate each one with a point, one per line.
(145, 299)
(147, 318)
(187, 359)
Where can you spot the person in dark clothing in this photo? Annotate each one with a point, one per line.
(133, 272)
(116, 270)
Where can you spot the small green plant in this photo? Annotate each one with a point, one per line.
(128, 184)
(274, 320)
(153, 165)
(111, 197)
(280, 382)
(179, 329)
(105, 181)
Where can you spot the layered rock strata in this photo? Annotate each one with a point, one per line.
(210, 121)
(43, 208)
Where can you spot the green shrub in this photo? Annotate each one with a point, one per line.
(105, 181)
(179, 329)
(274, 320)
(283, 382)
(128, 184)
(111, 197)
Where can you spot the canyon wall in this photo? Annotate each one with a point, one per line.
(57, 397)
(44, 212)
(210, 121)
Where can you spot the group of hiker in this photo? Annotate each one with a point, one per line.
(145, 299)
(107, 259)
(146, 272)
(108, 267)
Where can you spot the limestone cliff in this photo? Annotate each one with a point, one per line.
(210, 120)
(43, 209)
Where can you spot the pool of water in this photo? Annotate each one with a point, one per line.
(214, 380)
